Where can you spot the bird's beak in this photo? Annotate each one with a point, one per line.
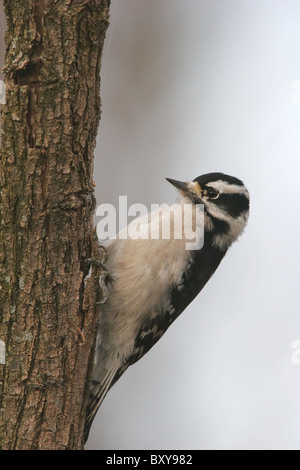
(189, 189)
(182, 186)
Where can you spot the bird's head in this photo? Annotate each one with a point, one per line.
(226, 204)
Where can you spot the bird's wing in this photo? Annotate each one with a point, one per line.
(181, 295)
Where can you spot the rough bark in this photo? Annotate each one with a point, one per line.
(48, 316)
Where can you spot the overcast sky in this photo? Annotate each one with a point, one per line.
(188, 88)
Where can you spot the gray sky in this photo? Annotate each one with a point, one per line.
(188, 88)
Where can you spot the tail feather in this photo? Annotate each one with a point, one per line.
(97, 395)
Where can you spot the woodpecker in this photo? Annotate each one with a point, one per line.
(155, 279)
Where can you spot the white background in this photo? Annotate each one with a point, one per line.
(188, 88)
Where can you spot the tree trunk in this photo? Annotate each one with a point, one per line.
(48, 316)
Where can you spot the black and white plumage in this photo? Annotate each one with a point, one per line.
(155, 280)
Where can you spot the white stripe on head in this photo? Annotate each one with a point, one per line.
(224, 187)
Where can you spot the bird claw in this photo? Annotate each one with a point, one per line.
(104, 277)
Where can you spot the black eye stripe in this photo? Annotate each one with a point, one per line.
(234, 204)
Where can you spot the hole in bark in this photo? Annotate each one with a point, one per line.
(29, 75)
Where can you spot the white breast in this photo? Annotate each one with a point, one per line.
(144, 270)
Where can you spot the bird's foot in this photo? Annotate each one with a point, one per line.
(104, 278)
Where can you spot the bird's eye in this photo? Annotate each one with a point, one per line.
(212, 193)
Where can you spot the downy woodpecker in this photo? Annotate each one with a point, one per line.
(155, 279)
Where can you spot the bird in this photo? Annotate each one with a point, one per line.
(153, 279)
